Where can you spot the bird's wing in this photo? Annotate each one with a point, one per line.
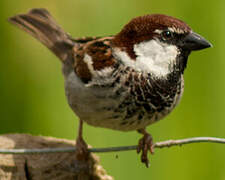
(92, 57)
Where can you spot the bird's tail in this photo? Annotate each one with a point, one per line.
(40, 24)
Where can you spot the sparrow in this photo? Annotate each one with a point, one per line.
(123, 82)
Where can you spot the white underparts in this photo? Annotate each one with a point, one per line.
(153, 57)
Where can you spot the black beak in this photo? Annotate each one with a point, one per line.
(194, 41)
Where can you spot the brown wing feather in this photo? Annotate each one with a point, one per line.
(85, 39)
(40, 24)
(101, 53)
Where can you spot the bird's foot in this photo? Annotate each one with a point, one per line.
(145, 144)
(82, 152)
(82, 156)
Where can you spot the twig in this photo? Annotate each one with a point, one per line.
(162, 144)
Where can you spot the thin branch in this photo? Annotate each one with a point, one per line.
(161, 144)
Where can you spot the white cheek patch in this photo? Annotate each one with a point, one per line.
(153, 57)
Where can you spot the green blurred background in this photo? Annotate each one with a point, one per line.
(32, 93)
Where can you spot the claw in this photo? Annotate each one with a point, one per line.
(145, 144)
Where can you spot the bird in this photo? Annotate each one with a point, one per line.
(123, 82)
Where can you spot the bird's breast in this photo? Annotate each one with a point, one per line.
(131, 101)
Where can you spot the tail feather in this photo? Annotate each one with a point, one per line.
(40, 24)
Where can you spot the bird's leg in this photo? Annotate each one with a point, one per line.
(81, 146)
(82, 155)
(145, 144)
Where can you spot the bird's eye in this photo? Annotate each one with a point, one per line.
(167, 34)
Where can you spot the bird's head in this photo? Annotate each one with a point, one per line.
(156, 44)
